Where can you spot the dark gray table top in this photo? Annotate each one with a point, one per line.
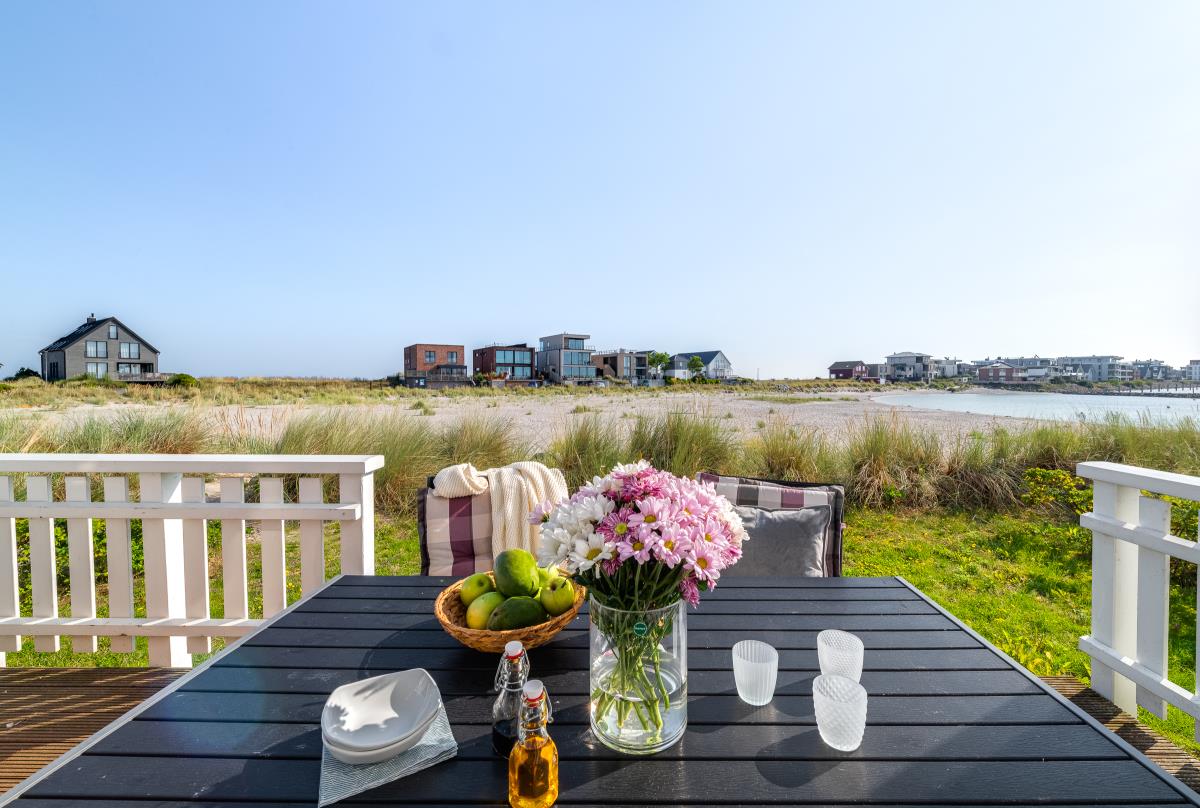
(951, 720)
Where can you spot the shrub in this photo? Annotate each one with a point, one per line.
(890, 464)
(182, 380)
(683, 443)
(781, 452)
(1058, 490)
(586, 447)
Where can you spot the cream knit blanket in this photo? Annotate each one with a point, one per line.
(516, 490)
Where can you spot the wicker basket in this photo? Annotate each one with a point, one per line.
(452, 615)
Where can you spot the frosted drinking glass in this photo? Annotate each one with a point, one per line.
(841, 708)
(840, 653)
(755, 667)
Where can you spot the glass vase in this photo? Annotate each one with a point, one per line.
(638, 677)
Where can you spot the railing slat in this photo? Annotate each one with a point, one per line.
(312, 539)
(162, 541)
(233, 553)
(270, 533)
(358, 553)
(120, 563)
(1114, 592)
(1153, 600)
(43, 570)
(195, 564)
(82, 563)
(10, 586)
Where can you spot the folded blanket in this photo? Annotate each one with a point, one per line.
(516, 490)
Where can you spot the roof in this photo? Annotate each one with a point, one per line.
(705, 356)
(87, 328)
(846, 365)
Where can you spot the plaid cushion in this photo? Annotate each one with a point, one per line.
(455, 534)
(786, 495)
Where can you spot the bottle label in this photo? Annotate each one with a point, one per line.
(640, 629)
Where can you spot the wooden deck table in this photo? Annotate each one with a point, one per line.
(951, 720)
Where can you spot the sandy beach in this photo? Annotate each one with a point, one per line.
(537, 419)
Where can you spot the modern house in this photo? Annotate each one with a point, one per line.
(631, 366)
(1191, 371)
(512, 363)
(876, 371)
(1000, 372)
(948, 368)
(1098, 368)
(566, 358)
(434, 365)
(853, 369)
(910, 366)
(104, 349)
(716, 366)
(1152, 369)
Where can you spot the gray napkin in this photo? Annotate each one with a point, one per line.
(341, 780)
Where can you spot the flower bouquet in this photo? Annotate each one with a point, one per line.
(644, 542)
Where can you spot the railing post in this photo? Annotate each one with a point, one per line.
(358, 537)
(120, 562)
(10, 592)
(1153, 596)
(43, 568)
(235, 585)
(271, 541)
(1114, 593)
(82, 563)
(195, 564)
(162, 544)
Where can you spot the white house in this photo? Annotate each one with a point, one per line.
(716, 366)
(909, 366)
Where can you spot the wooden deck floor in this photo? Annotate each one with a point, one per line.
(44, 712)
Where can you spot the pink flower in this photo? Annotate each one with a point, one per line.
(634, 547)
(689, 590)
(541, 512)
(703, 562)
(611, 566)
(643, 484)
(615, 526)
(671, 545)
(651, 514)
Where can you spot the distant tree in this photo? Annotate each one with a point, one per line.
(24, 373)
(696, 367)
(657, 361)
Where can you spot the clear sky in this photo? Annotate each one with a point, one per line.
(304, 188)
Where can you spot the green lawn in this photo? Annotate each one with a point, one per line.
(1022, 581)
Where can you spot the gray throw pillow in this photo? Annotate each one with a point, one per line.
(783, 542)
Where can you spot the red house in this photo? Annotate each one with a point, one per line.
(848, 370)
(1000, 373)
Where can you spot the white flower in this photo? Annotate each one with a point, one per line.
(629, 468)
(589, 552)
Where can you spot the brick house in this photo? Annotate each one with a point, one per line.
(428, 364)
(1000, 373)
(855, 369)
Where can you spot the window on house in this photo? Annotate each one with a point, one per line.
(453, 356)
(53, 371)
(112, 331)
(96, 348)
(574, 343)
(131, 350)
(522, 356)
(504, 356)
(521, 372)
(97, 370)
(430, 357)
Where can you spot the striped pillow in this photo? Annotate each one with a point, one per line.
(776, 495)
(455, 534)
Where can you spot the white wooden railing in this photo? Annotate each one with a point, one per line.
(1131, 550)
(173, 506)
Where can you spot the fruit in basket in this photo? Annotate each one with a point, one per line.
(518, 612)
(557, 596)
(482, 608)
(545, 574)
(478, 584)
(516, 574)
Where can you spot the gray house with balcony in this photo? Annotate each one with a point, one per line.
(566, 358)
(103, 349)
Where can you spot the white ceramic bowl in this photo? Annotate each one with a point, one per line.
(380, 714)
(374, 755)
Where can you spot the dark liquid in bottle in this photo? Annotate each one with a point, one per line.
(504, 736)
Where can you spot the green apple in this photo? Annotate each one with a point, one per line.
(558, 595)
(476, 585)
(481, 609)
(545, 574)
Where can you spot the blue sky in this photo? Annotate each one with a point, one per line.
(304, 188)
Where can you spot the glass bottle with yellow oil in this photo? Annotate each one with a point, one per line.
(533, 762)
